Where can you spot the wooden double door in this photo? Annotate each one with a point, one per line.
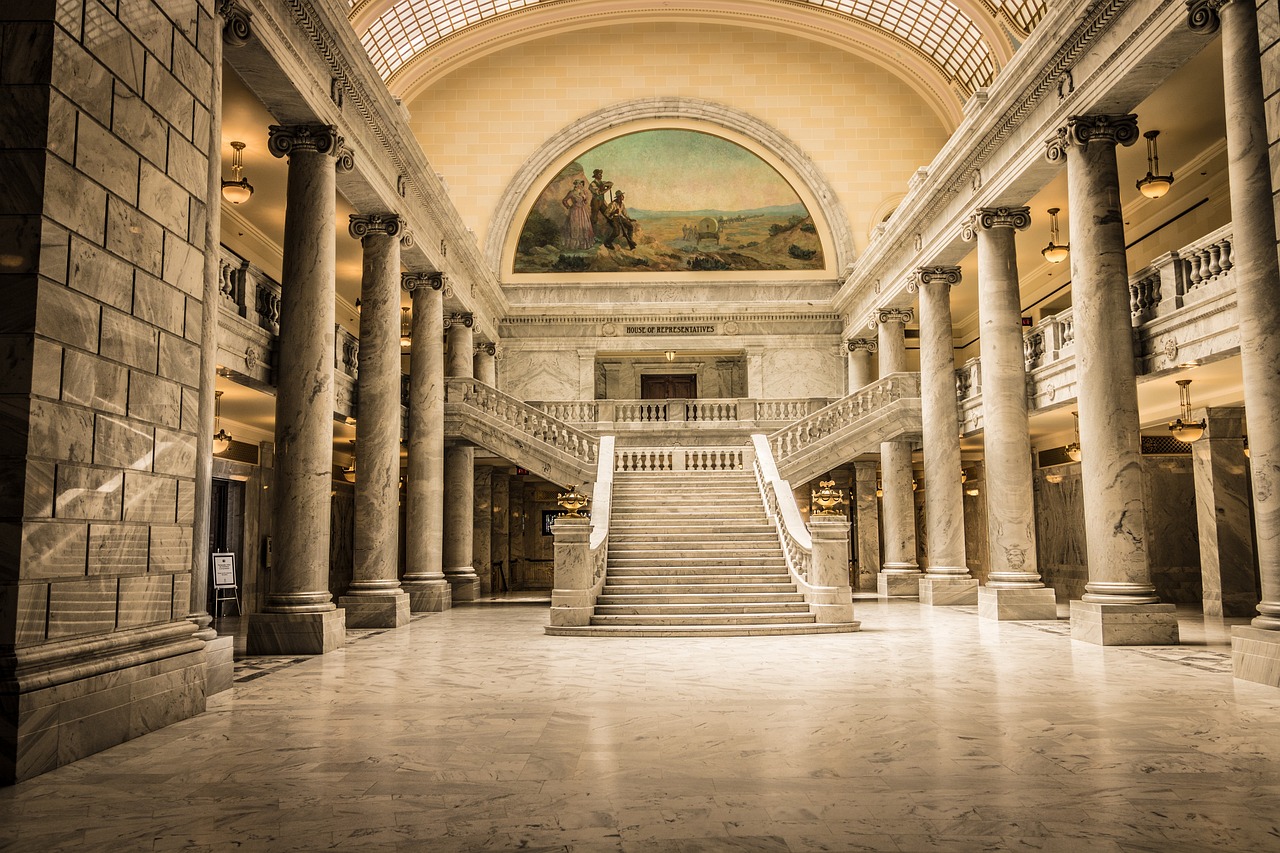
(669, 386)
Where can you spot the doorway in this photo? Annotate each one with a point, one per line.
(669, 386)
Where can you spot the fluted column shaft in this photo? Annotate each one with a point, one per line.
(897, 503)
(1011, 537)
(860, 370)
(459, 478)
(424, 486)
(1111, 468)
(943, 495)
(376, 550)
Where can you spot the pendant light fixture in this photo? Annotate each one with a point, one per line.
(1073, 449)
(221, 438)
(1054, 253)
(238, 190)
(1184, 428)
(1154, 185)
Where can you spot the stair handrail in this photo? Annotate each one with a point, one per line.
(602, 504)
(780, 504)
(839, 415)
(532, 422)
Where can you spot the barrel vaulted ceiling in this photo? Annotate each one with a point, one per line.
(963, 43)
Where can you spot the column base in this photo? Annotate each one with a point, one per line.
(898, 584)
(1255, 655)
(943, 591)
(1017, 605)
(429, 596)
(571, 608)
(463, 588)
(376, 611)
(219, 657)
(1124, 624)
(296, 633)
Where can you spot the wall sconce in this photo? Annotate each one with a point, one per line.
(1073, 449)
(238, 190)
(1154, 185)
(349, 472)
(1054, 253)
(972, 491)
(1054, 478)
(221, 438)
(406, 330)
(670, 354)
(879, 489)
(1184, 429)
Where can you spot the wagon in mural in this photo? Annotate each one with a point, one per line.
(708, 229)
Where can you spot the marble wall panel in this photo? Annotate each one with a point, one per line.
(122, 443)
(164, 200)
(807, 372)
(65, 316)
(135, 122)
(159, 304)
(116, 549)
(482, 528)
(1060, 542)
(31, 606)
(187, 162)
(543, 375)
(53, 549)
(134, 236)
(149, 498)
(99, 274)
(46, 369)
(37, 494)
(74, 201)
(80, 77)
(17, 354)
(170, 549)
(184, 269)
(107, 160)
(88, 493)
(175, 452)
(145, 600)
(95, 384)
(82, 607)
(154, 399)
(168, 97)
(186, 511)
(179, 360)
(342, 520)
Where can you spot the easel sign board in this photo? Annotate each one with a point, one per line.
(224, 571)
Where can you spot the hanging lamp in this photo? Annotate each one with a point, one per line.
(221, 438)
(1153, 184)
(1055, 253)
(238, 190)
(1184, 428)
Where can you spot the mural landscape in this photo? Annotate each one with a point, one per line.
(667, 201)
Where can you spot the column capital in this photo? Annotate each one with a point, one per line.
(862, 345)
(373, 224)
(890, 315)
(485, 348)
(283, 140)
(459, 319)
(1081, 130)
(1202, 15)
(933, 275)
(989, 218)
(412, 281)
(236, 31)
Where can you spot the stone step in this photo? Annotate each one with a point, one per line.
(711, 585)
(653, 552)
(700, 542)
(690, 572)
(637, 631)
(686, 609)
(645, 595)
(689, 528)
(709, 619)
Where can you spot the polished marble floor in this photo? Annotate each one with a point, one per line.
(473, 731)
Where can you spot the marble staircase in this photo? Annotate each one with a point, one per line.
(693, 554)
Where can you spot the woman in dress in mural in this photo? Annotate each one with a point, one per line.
(578, 233)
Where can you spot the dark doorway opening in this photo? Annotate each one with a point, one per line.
(668, 386)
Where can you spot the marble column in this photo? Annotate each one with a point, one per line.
(867, 524)
(482, 528)
(1013, 590)
(375, 599)
(1120, 606)
(860, 351)
(459, 476)
(424, 481)
(485, 363)
(1255, 648)
(1227, 564)
(946, 580)
(299, 616)
(900, 575)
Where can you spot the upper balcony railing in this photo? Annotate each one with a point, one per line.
(735, 412)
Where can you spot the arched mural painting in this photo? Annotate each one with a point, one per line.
(667, 200)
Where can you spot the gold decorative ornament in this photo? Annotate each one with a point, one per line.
(828, 498)
(572, 502)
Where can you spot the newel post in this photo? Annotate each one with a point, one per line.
(832, 601)
(571, 598)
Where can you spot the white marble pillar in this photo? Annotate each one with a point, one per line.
(866, 524)
(860, 372)
(1255, 648)
(1227, 566)
(299, 616)
(424, 481)
(485, 363)
(1013, 590)
(946, 580)
(375, 599)
(900, 575)
(459, 476)
(1120, 606)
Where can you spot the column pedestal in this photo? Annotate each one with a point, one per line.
(376, 611)
(1017, 605)
(430, 597)
(1255, 655)
(297, 633)
(219, 659)
(1124, 624)
(941, 591)
(898, 582)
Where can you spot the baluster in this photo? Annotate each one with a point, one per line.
(1228, 254)
(1215, 254)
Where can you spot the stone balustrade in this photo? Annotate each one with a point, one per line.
(660, 459)
(733, 412)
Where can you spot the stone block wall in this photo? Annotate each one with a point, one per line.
(104, 128)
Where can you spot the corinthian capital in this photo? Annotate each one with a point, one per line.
(412, 281)
(862, 345)
(374, 224)
(988, 218)
(283, 140)
(1081, 130)
(1202, 15)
